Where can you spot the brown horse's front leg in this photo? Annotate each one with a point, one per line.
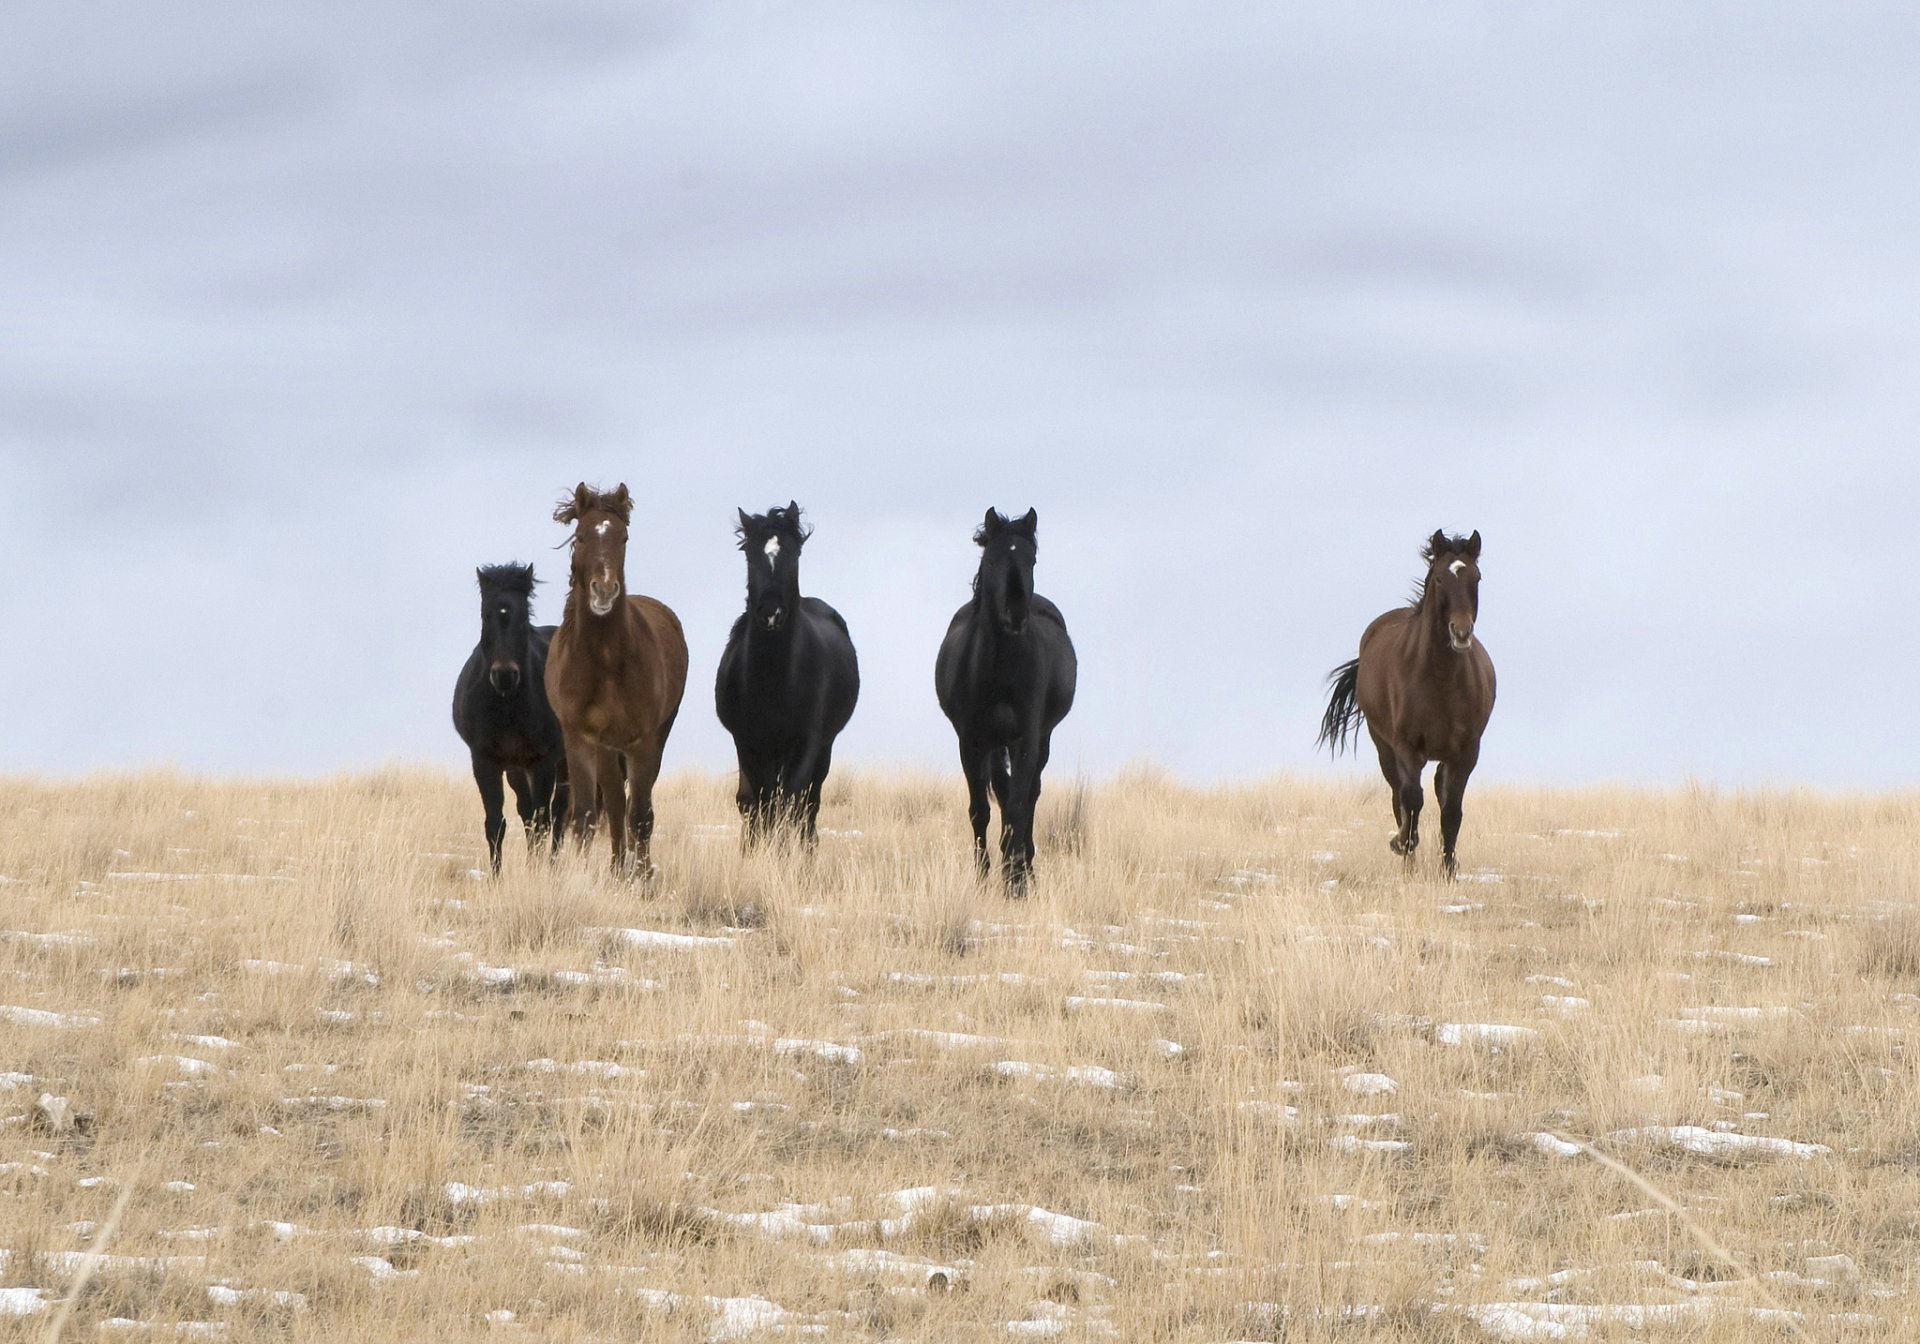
(1407, 807)
(583, 775)
(613, 802)
(1450, 787)
(643, 769)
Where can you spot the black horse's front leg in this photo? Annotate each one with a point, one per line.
(493, 798)
(975, 762)
(1026, 759)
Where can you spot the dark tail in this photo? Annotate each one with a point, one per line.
(1341, 723)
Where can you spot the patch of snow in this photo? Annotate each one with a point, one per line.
(1369, 1084)
(1551, 1145)
(1091, 1075)
(40, 1017)
(1353, 1143)
(1481, 1033)
(458, 1192)
(22, 1301)
(1714, 1143)
(1078, 1001)
(658, 938)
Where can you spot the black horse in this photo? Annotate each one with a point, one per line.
(500, 711)
(787, 683)
(1005, 677)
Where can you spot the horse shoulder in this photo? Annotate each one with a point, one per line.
(948, 665)
(664, 628)
(824, 611)
(463, 688)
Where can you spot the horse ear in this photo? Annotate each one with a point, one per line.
(1027, 522)
(620, 501)
(1437, 544)
(1473, 545)
(991, 525)
(745, 519)
(793, 510)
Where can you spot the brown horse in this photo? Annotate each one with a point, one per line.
(615, 673)
(1423, 684)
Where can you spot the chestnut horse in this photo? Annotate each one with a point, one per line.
(615, 673)
(1423, 685)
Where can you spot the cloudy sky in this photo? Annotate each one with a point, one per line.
(306, 310)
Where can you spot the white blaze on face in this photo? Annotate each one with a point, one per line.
(1455, 568)
(600, 528)
(772, 549)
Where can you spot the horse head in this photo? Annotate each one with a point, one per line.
(599, 543)
(1008, 550)
(1453, 583)
(771, 541)
(506, 626)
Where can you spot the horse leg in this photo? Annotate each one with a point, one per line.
(1000, 780)
(1022, 796)
(550, 782)
(1411, 800)
(493, 799)
(643, 768)
(613, 803)
(1450, 786)
(975, 764)
(524, 802)
(583, 788)
(544, 822)
(746, 796)
(804, 777)
(1390, 767)
(816, 778)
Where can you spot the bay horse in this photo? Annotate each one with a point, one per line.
(501, 712)
(615, 674)
(1423, 685)
(1005, 678)
(788, 681)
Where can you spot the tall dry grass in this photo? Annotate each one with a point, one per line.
(367, 1095)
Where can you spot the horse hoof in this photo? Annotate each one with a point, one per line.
(1397, 845)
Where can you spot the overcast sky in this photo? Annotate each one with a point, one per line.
(306, 310)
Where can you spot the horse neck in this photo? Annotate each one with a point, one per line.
(768, 652)
(616, 631)
(989, 640)
(1429, 648)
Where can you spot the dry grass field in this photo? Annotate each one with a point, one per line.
(1229, 1074)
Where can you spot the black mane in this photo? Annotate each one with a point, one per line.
(782, 521)
(509, 578)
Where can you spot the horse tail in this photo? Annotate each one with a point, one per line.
(1341, 723)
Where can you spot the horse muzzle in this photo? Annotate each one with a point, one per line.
(1459, 636)
(504, 678)
(600, 599)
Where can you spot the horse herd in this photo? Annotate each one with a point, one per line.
(575, 717)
